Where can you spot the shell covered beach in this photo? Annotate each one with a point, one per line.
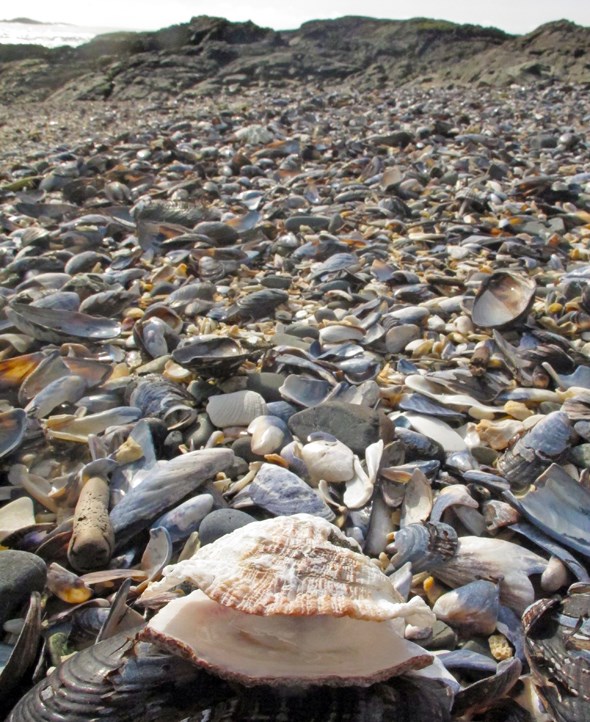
(295, 406)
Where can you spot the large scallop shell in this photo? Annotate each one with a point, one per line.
(289, 600)
(298, 565)
(282, 650)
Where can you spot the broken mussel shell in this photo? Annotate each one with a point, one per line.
(503, 299)
(290, 600)
(213, 356)
(123, 680)
(557, 647)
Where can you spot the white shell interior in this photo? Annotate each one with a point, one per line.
(272, 650)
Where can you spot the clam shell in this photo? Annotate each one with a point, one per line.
(289, 601)
(557, 639)
(165, 485)
(269, 433)
(503, 299)
(14, 370)
(328, 460)
(559, 506)
(339, 332)
(294, 565)
(426, 546)
(15, 515)
(494, 559)
(235, 409)
(305, 391)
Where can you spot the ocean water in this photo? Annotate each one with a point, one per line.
(51, 35)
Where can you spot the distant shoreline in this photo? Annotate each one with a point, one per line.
(30, 21)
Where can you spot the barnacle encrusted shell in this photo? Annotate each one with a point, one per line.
(294, 565)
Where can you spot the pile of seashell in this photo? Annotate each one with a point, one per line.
(299, 428)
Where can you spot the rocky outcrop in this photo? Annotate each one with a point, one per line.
(206, 54)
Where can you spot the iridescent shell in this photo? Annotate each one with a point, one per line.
(253, 649)
(504, 298)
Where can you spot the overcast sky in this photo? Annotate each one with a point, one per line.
(517, 16)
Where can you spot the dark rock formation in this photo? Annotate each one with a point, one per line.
(206, 54)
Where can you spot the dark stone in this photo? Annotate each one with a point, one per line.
(302, 330)
(242, 447)
(267, 384)
(201, 431)
(20, 574)
(354, 425)
(221, 522)
(443, 637)
(544, 140)
(273, 281)
(316, 223)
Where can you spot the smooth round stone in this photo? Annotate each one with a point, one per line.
(273, 281)
(583, 429)
(221, 522)
(580, 455)
(316, 223)
(543, 140)
(267, 384)
(354, 425)
(242, 447)
(473, 607)
(20, 574)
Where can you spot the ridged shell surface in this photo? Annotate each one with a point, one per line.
(235, 409)
(295, 565)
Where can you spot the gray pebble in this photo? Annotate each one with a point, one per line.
(267, 384)
(221, 522)
(353, 425)
(316, 223)
(20, 574)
